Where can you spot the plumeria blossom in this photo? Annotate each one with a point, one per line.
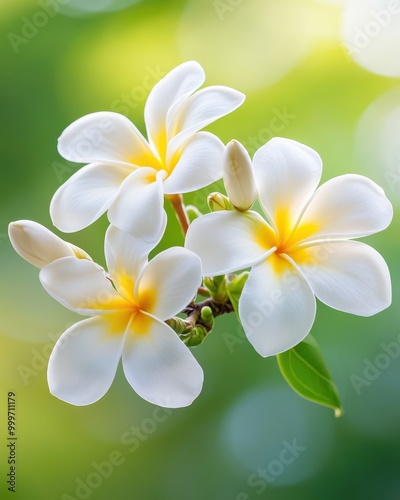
(302, 248)
(129, 175)
(38, 245)
(126, 321)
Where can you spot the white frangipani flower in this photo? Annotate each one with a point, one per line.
(128, 175)
(305, 249)
(127, 321)
(38, 245)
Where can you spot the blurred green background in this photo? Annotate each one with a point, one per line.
(61, 60)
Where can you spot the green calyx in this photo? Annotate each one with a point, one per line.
(217, 288)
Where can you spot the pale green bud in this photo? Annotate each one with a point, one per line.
(237, 283)
(218, 201)
(196, 336)
(216, 287)
(207, 317)
(192, 212)
(238, 176)
(178, 325)
(38, 245)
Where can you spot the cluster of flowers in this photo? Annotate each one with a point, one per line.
(297, 247)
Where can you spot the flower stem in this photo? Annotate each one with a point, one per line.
(218, 309)
(202, 290)
(176, 201)
(199, 321)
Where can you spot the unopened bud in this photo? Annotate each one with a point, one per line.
(238, 176)
(207, 317)
(38, 245)
(217, 287)
(218, 201)
(196, 336)
(192, 212)
(178, 325)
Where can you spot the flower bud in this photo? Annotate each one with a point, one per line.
(218, 201)
(207, 317)
(217, 287)
(193, 212)
(196, 336)
(238, 176)
(38, 245)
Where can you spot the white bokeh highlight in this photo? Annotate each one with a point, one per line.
(264, 421)
(377, 145)
(371, 34)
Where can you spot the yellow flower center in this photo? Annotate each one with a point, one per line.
(147, 299)
(287, 239)
(132, 306)
(158, 161)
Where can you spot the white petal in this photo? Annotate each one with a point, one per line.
(197, 111)
(138, 208)
(199, 165)
(84, 360)
(349, 276)
(277, 307)
(124, 252)
(159, 366)
(86, 196)
(227, 241)
(176, 85)
(348, 206)
(287, 174)
(81, 285)
(105, 137)
(169, 282)
(125, 257)
(36, 244)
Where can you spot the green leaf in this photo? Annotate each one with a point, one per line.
(305, 371)
(235, 288)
